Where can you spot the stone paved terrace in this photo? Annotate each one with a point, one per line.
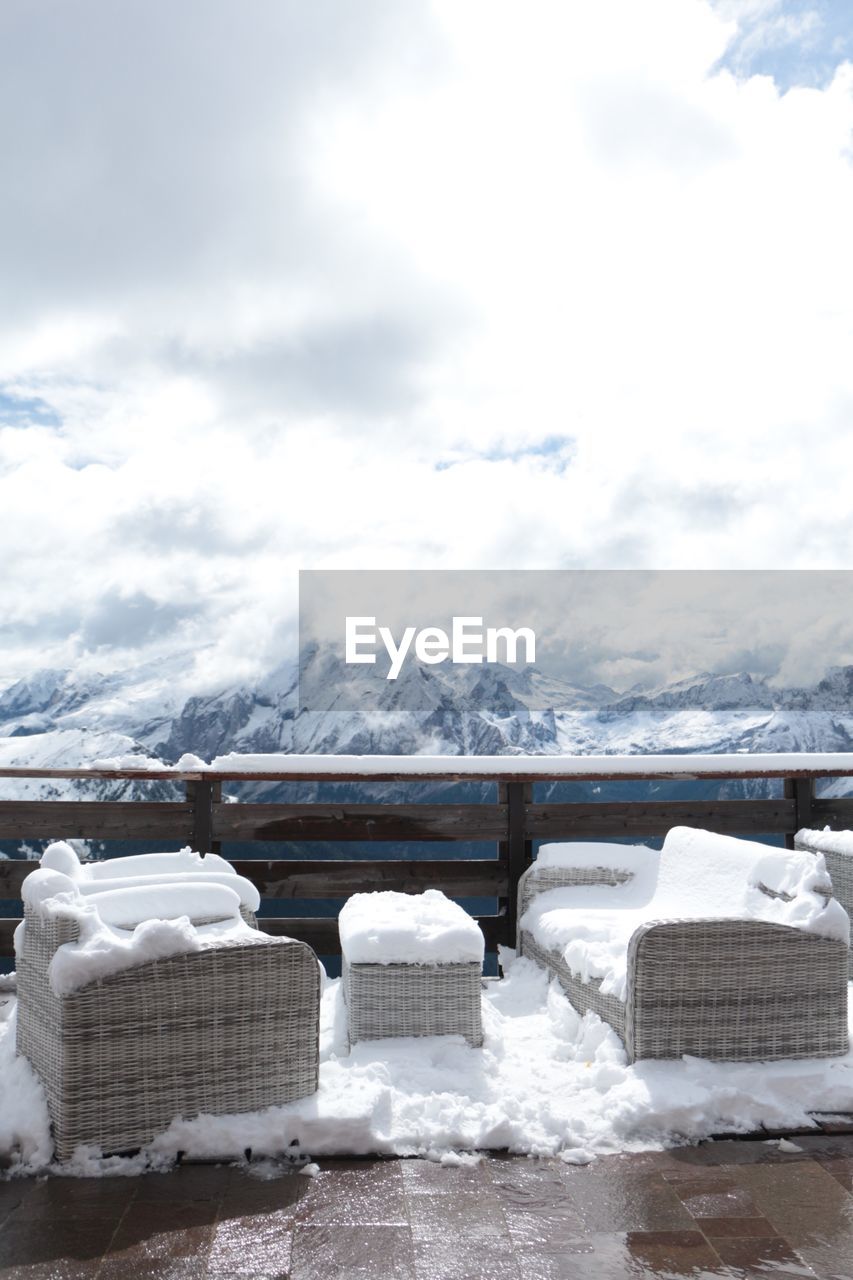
(729, 1208)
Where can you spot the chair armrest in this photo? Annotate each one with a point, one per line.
(738, 990)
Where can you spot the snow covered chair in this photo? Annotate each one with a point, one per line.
(837, 850)
(412, 966)
(717, 948)
(143, 1002)
(143, 868)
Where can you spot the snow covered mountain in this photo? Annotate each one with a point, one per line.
(62, 718)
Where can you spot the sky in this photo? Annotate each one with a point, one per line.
(457, 284)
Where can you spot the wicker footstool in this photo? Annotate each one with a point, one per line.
(412, 966)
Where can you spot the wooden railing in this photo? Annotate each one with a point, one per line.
(513, 821)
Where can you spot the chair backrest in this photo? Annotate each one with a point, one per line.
(61, 856)
(126, 904)
(704, 874)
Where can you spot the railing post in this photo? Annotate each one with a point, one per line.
(801, 791)
(519, 850)
(202, 795)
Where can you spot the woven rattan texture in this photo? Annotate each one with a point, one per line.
(730, 990)
(735, 990)
(536, 880)
(840, 868)
(232, 1028)
(413, 1000)
(585, 996)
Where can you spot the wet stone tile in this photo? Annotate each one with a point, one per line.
(252, 1246)
(247, 1195)
(830, 1260)
(521, 1183)
(822, 1146)
(357, 1253)
(465, 1260)
(688, 1162)
(842, 1172)
(59, 1269)
(429, 1177)
(151, 1233)
(804, 1203)
(717, 1196)
(544, 1229)
(367, 1194)
(53, 1241)
(624, 1256)
(608, 1200)
(12, 1196)
(469, 1215)
(201, 1182)
(164, 1269)
(757, 1257)
(678, 1253)
(735, 1228)
(76, 1199)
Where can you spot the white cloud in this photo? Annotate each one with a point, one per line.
(270, 276)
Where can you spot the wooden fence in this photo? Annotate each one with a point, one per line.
(513, 821)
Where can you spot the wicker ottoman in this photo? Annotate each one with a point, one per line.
(412, 966)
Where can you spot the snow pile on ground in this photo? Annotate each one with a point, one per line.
(699, 875)
(546, 1081)
(408, 928)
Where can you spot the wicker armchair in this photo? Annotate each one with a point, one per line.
(229, 1027)
(726, 988)
(837, 850)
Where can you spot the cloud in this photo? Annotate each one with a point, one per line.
(431, 284)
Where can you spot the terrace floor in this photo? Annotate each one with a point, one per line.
(729, 1208)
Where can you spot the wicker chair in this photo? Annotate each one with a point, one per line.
(719, 988)
(231, 1027)
(837, 850)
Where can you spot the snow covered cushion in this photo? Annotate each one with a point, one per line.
(244, 889)
(61, 856)
(141, 869)
(408, 928)
(631, 858)
(700, 875)
(123, 927)
(125, 906)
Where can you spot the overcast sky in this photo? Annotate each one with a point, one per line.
(410, 283)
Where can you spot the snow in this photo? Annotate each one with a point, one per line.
(61, 856)
(127, 907)
(834, 763)
(827, 841)
(121, 927)
(699, 875)
(547, 1081)
(408, 928)
(167, 868)
(614, 857)
(104, 949)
